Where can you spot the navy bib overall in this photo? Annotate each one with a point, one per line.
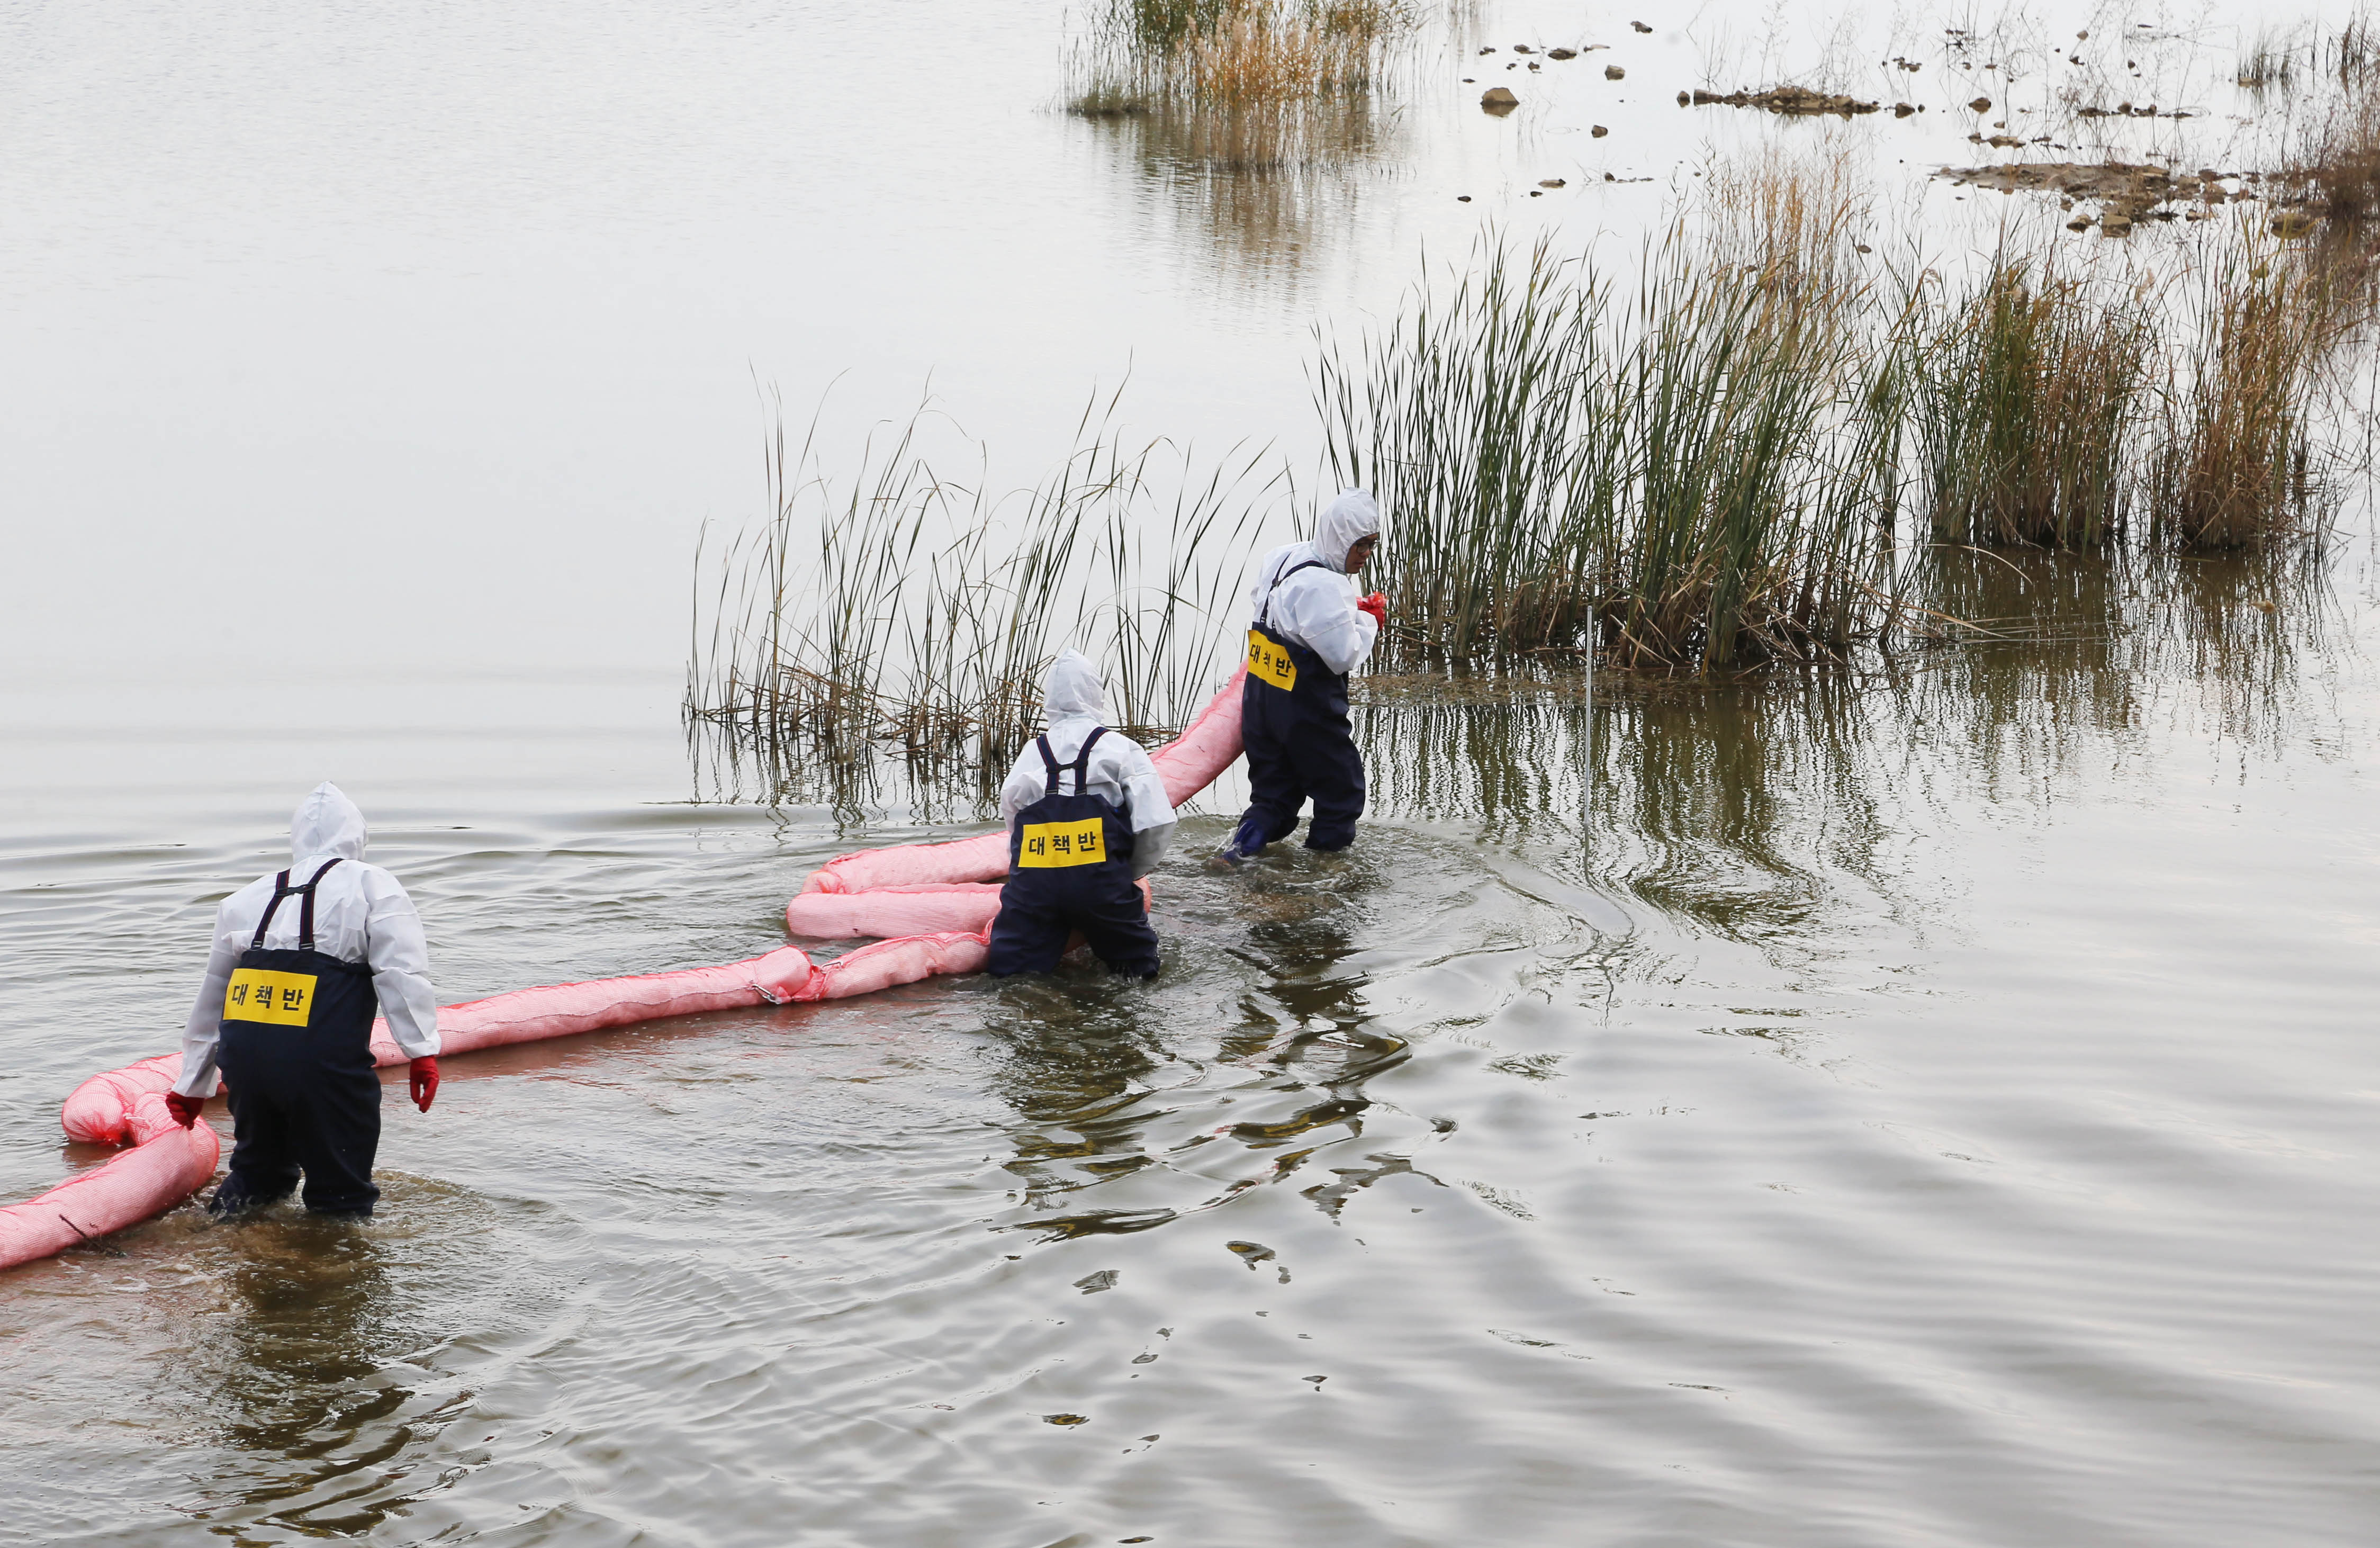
(297, 1057)
(1069, 869)
(1293, 724)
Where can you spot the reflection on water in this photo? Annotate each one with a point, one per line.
(1743, 816)
(1741, 1108)
(2080, 646)
(319, 1343)
(312, 1314)
(1731, 1111)
(1255, 193)
(1510, 752)
(1758, 811)
(311, 1311)
(1095, 1071)
(1075, 1063)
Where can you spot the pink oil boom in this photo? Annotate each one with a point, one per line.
(931, 904)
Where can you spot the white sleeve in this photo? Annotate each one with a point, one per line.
(1322, 609)
(400, 965)
(1149, 847)
(1152, 815)
(1023, 786)
(204, 1028)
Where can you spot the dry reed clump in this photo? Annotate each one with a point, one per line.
(910, 618)
(2353, 54)
(1794, 219)
(2270, 62)
(2335, 174)
(1140, 54)
(2028, 388)
(2237, 465)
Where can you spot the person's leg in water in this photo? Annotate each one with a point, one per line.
(337, 1136)
(1026, 937)
(263, 1167)
(1267, 728)
(1330, 766)
(1116, 928)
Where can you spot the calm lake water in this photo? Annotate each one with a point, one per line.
(1932, 1103)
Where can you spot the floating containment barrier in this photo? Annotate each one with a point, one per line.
(933, 902)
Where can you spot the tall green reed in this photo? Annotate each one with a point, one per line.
(2029, 385)
(904, 619)
(1694, 481)
(1481, 420)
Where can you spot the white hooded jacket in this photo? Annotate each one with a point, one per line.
(1315, 608)
(361, 914)
(1075, 701)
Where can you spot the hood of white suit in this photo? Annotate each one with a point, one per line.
(1346, 521)
(1072, 688)
(326, 823)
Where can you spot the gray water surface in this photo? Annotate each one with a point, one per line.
(1926, 1103)
(1932, 1106)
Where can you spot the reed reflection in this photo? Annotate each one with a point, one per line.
(2052, 653)
(1771, 812)
(1508, 750)
(1259, 192)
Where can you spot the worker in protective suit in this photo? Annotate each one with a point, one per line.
(300, 960)
(1088, 817)
(1308, 629)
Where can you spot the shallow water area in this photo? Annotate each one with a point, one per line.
(1925, 1103)
(1931, 1108)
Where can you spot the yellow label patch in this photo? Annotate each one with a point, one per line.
(1054, 844)
(1268, 659)
(261, 995)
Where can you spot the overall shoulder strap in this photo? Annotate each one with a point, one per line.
(306, 910)
(1264, 617)
(1081, 765)
(281, 889)
(1049, 764)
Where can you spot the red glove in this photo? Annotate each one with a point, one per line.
(423, 1079)
(1378, 606)
(184, 1108)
